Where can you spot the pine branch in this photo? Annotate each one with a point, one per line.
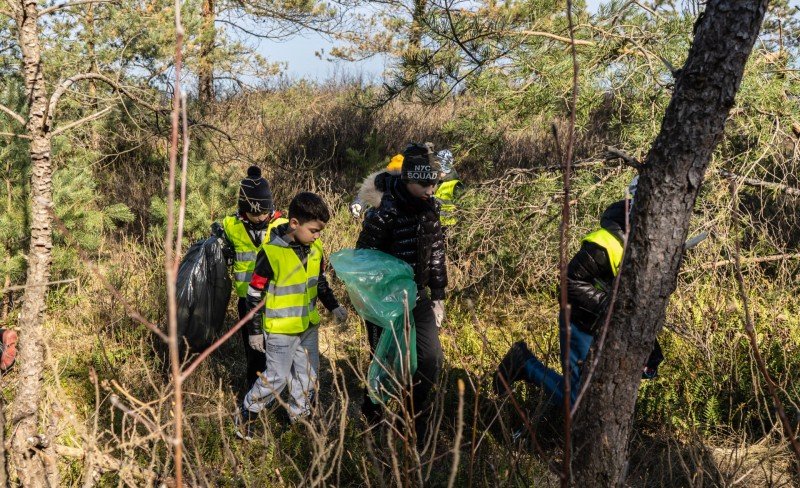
(74, 3)
(566, 40)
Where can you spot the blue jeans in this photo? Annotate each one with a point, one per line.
(553, 383)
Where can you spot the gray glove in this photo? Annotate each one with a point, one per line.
(257, 342)
(438, 312)
(340, 314)
(355, 209)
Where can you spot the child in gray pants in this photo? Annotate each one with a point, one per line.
(290, 276)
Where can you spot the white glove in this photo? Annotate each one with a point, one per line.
(340, 314)
(355, 209)
(257, 342)
(438, 312)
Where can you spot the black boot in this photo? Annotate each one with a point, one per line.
(511, 368)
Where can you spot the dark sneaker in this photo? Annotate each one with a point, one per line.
(511, 368)
(244, 423)
(8, 349)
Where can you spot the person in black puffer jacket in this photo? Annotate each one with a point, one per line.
(590, 277)
(406, 225)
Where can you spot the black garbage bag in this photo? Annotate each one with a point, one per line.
(203, 291)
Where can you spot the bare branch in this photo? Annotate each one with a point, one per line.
(11, 134)
(753, 260)
(566, 40)
(73, 3)
(614, 153)
(14, 115)
(66, 84)
(221, 340)
(764, 184)
(23, 287)
(82, 121)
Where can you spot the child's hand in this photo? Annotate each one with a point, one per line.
(257, 342)
(438, 312)
(340, 314)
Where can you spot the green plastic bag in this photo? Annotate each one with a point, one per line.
(376, 283)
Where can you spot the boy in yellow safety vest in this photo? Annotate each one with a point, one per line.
(290, 277)
(590, 275)
(242, 235)
(449, 186)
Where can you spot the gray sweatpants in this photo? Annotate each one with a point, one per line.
(292, 360)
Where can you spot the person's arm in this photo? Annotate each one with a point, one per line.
(587, 268)
(227, 246)
(262, 274)
(327, 297)
(376, 230)
(438, 264)
(324, 291)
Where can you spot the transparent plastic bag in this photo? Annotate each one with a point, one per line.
(376, 283)
(203, 291)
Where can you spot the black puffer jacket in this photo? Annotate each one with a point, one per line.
(589, 274)
(408, 228)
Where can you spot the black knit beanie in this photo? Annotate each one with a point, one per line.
(420, 164)
(254, 193)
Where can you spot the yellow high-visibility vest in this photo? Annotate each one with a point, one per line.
(290, 306)
(446, 194)
(246, 251)
(610, 243)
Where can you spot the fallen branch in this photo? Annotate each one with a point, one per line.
(760, 259)
(761, 183)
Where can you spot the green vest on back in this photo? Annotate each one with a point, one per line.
(610, 243)
(290, 305)
(446, 194)
(246, 251)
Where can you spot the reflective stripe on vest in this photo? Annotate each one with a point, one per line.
(291, 297)
(246, 251)
(611, 244)
(446, 194)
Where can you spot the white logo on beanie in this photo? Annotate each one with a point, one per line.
(422, 172)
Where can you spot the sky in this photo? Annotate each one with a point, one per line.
(299, 53)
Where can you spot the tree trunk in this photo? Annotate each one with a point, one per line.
(693, 124)
(7, 280)
(205, 73)
(27, 457)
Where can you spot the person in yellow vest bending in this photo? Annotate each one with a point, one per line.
(290, 277)
(243, 234)
(590, 275)
(448, 188)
